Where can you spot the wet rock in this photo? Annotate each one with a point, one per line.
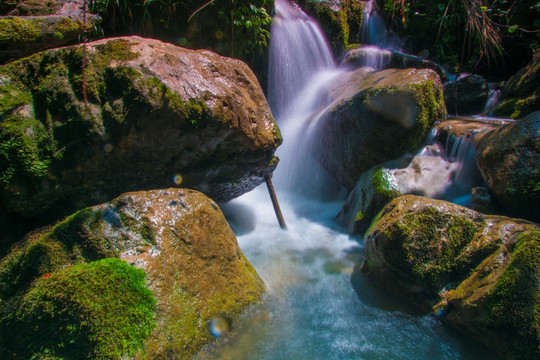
(521, 94)
(477, 271)
(376, 117)
(373, 56)
(156, 116)
(431, 173)
(36, 25)
(464, 127)
(509, 160)
(467, 95)
(482, 200)
(194, 269)
(499, 301)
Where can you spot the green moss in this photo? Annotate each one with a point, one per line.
(12, 97)
(17, 30)
(24, 151)
(118, 49)
(100, 310)
(514, 304)
(67, 26)
(426, 246)
(359, 216)
(382, 185)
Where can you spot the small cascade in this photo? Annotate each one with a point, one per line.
(297, 51)
(375, 31)
(492, 102)
(374, 57)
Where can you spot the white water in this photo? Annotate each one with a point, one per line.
(311, 310)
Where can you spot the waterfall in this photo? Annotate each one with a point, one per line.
(311, 309)
(297, 51)
(301, 71)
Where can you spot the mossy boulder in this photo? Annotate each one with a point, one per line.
(445, 258)
(142, 115)
(509, 160)
(500, 302)
(340, 20)
(36, 25)
(377, 116)
(521, 94)
(194, 270)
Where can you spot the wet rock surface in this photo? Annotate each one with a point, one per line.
(468, 266)
(509, 160)
(376, 117)
(467, 95)
(156, 115)
(194, 267)
(521, 94)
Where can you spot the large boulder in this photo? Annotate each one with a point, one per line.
(467, 95)
(142, 115)
(521, 94)
(34, 25)
(509, 160)
(377, 116)
(483, 268)
(194, 270)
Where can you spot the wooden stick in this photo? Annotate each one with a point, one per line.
(275, 203)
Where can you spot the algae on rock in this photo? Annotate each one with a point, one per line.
(138, 127)
(377, 116)
(477, 272)
(193, 264)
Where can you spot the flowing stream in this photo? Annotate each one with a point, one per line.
(312, 309)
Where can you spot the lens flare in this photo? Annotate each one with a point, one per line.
(218, 325)
(177, 179)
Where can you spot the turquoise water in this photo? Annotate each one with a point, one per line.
(312, 310)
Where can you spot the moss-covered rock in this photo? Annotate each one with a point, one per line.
(98, 310)
(521, 94)
(479, 272)
(35, 25)
(419, 245)
(143, 114)
(500, 302)
(194, 269)
(376, 117)
(340, 20)
(509, 160)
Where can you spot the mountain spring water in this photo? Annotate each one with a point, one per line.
(312, 309)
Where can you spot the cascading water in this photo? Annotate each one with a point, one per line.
(299, 50)
(311, 309)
